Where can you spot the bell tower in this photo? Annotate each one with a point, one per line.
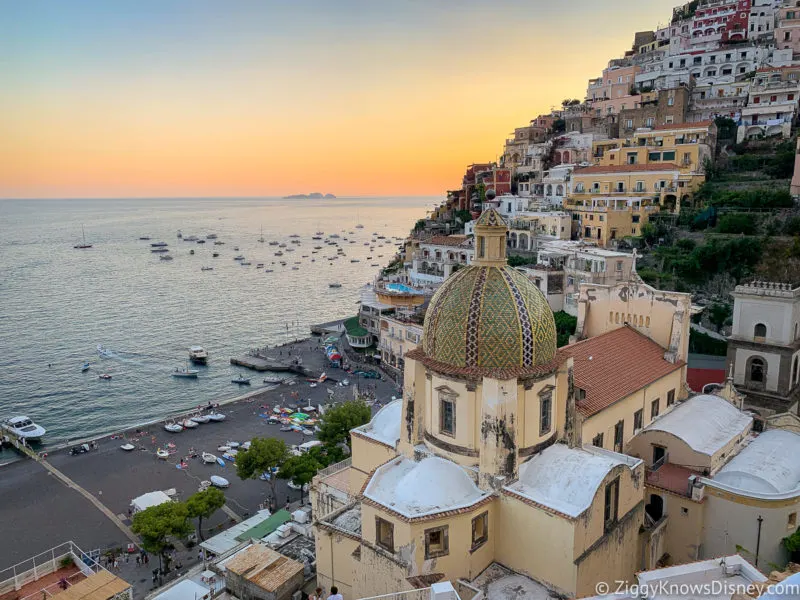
(490, 237)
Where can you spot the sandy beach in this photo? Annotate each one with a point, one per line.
(37, 511)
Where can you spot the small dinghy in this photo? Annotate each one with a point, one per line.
(220, 462)
(162, 454)
(200, 418)
(223, 448)
(105, 376)
(128, 447)
(232, 444)
(273, 379)
(219, 482)
(209, 458)
(245, 446)
(85, 367)
(241, 380)
(173, 427)
(204, 485)
(229, 455)
(216, 417)
(188, 424)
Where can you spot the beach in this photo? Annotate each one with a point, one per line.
(38, 511)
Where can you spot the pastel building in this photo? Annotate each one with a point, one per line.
(481, 472)
(438, 257)
(772, 104)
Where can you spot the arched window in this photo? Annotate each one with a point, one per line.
(647, 322)
(559, 190)
(655, 508)
(616, 317)
(760, 330)
(757, 370)
(611, 316)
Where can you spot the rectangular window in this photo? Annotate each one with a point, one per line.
(773, 98)
(654, 408)
(619, 266)
(650, 122)
(640, 186)
(619, 432)
(480, 530)
(638, 419)
(654, 156)
(611, 507)
(447, 415)
(635, 218)
(668, 155)
(670, 397)
(437, 542)
(597, 442)
(545, 413)
(629, 124)
(757, 100)
(790, 97)
(384, 534)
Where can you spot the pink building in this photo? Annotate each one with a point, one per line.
(721, 21)
(615, 83)
(787, 33)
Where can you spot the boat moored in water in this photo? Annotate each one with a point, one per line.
(184, 372)
(198, 355)
(241, 380)
(24, 428)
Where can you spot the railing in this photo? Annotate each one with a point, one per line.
(660, 462)
(335, 468)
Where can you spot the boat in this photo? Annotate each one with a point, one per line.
(241, 380)
(159, 245)
(245, 263)
(198, 355)
(173, 427)
(206, 268)
(281, 245)
(219, 243)
(216, 417)
(316, 237)
(208, 458)
(236, 248)
(295, 268)
(359, 226)
(165, 257)
(238, 257)
(335, 284)
(211, 236)
(162, 454)
(105, 376)
(261, 239)
(260, 266)
(269, 271)
(200, 418)
(220, 462)
(201, 241)
(159, 250)
(191, 251)
(103, 352)
(219, 482)
(232, 444)
(24, 428)
(215, 255)
(127, 447)
(223, 448)
(84, 367)
(184, 372)
(230, 455)
(354, 260)
(180, 235)
(279, 253)
(191, 238)
(188, 424)
(84, 245)
(245, 446)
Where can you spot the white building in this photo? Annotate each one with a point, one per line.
(556, 184)
(771, 106)
(438, 257)
(764, 345)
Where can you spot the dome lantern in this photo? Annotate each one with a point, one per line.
(490, 239)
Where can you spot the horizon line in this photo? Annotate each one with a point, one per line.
(218, 197)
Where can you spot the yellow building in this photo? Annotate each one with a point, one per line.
(481, 464)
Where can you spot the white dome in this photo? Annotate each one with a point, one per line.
(768, 465)
(385, 425)
(420, 488)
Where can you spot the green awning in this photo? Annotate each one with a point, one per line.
(264, 528)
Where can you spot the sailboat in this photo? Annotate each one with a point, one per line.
(261, 239)
(84, 244)
(359, 226)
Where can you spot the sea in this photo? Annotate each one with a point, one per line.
(58, 303)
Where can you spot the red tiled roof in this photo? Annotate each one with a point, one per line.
(447, 240)
(672, 478)
(612, 366)
(697, 378)
(696, 125)
(627, 168)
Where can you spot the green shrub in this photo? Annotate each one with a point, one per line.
(565, 326)
(702, 343)
(737, 223)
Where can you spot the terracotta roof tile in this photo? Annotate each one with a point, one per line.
(448, 240)
(627, 168)
(612, 366)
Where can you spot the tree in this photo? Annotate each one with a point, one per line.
(737, 223)
(155, 525)
(517, 261)
(565, 326)
(204, 504)
(265, 455)
(300, 470)
(339, 420)
(718, 314)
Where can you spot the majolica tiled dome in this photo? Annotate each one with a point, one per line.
(489, 317)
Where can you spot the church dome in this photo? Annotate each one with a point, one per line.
(490, 318)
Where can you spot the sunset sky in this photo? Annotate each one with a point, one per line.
(157, 98)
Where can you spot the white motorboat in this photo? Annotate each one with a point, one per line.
(184, 372)
(223, 448)
(272, 379)
(127, 447)
(25, 428)
(219, 482)
(162, 454)
(173, 427)
(200, 418)
(232, 444)
(217, 417)
(209, 458)
(245, 446)
(190, 238)
(241, 380)
(197, 354)
(188, 424)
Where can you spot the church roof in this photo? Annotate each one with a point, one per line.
(385, 425)
(768, 465)
(487, 317)
(613, 365)
(490, 218)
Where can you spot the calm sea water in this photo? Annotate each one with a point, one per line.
(57, 303)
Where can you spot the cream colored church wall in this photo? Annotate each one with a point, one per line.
(461, 562)
(529, 413)
(623, 410)
(366, 456)
(536, 543)
(334, 561)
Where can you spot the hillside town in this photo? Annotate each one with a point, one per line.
(594, 343)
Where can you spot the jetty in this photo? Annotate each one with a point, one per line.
(258, 363)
